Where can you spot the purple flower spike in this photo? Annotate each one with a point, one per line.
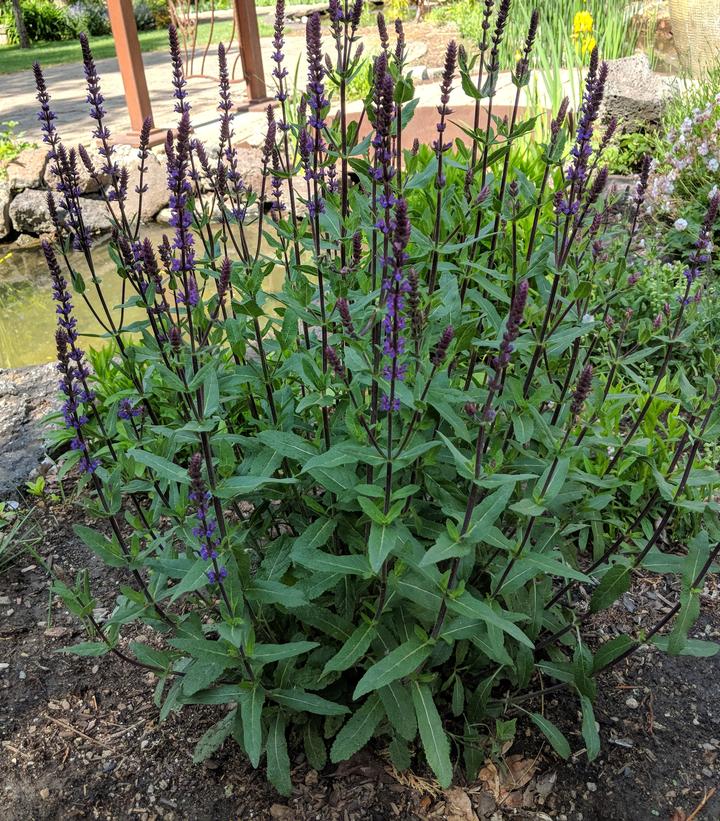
(438, 355)
(512, 331)
(383, 32)
(206, 529)
(344, 311)
(577, 171)
(582, 391)
(335, 363)
(72, 386)
(278, 57)
(179, 82)
(316, 73)
(396, 288)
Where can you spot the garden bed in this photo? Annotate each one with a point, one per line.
(82, 738)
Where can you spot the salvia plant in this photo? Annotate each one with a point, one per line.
(388, 498)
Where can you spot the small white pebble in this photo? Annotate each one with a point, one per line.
(632, 703)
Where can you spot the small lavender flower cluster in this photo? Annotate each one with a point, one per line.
(127, 411)
(205, 531)
(690, 167)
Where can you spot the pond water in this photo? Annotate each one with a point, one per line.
(27, 311)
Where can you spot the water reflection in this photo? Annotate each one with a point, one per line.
(27, 312)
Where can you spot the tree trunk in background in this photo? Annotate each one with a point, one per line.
(20, 25)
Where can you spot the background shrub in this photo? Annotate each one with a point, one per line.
(44, 20)
(90, 16)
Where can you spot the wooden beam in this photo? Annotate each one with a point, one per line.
(132, 70)
(251, 54)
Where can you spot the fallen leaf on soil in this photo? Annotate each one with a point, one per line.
(512, 777)
(56, 632)
(281, 812)
(458, 806)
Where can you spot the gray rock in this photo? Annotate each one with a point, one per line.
(27, 169)
(95, 215)
(163, 216)
(26, 396)
(635, 94)
(5, 197)
(157, 196)
(29, 241)
(29, 213)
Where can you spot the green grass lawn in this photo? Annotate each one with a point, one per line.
(13, 58)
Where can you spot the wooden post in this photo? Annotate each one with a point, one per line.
(249, 36)
(127, 48)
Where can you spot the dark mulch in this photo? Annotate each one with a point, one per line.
(81, 737)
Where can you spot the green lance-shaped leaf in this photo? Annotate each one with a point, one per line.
(689, 612)
(276, 753)
(297, 699)
(212, 740)
(381, 543)
(194, 579)
(314, 744)
(288, 444)
(610, 650)
(400, 754)
(251, 707)
(435, 742)
(557, 740)
(589, 729)
(266, 653)
(698, 552)
(107, 549)
(612, 585)
(395, 698)
(358, 729)
(402, 661)
(161, 467)
(202, 673)
(353, 649)
(467, 605)
(693, 647)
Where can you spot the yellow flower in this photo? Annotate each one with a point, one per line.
(588, 44)
(583, 23)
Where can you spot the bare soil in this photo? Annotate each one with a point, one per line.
(81, 737)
